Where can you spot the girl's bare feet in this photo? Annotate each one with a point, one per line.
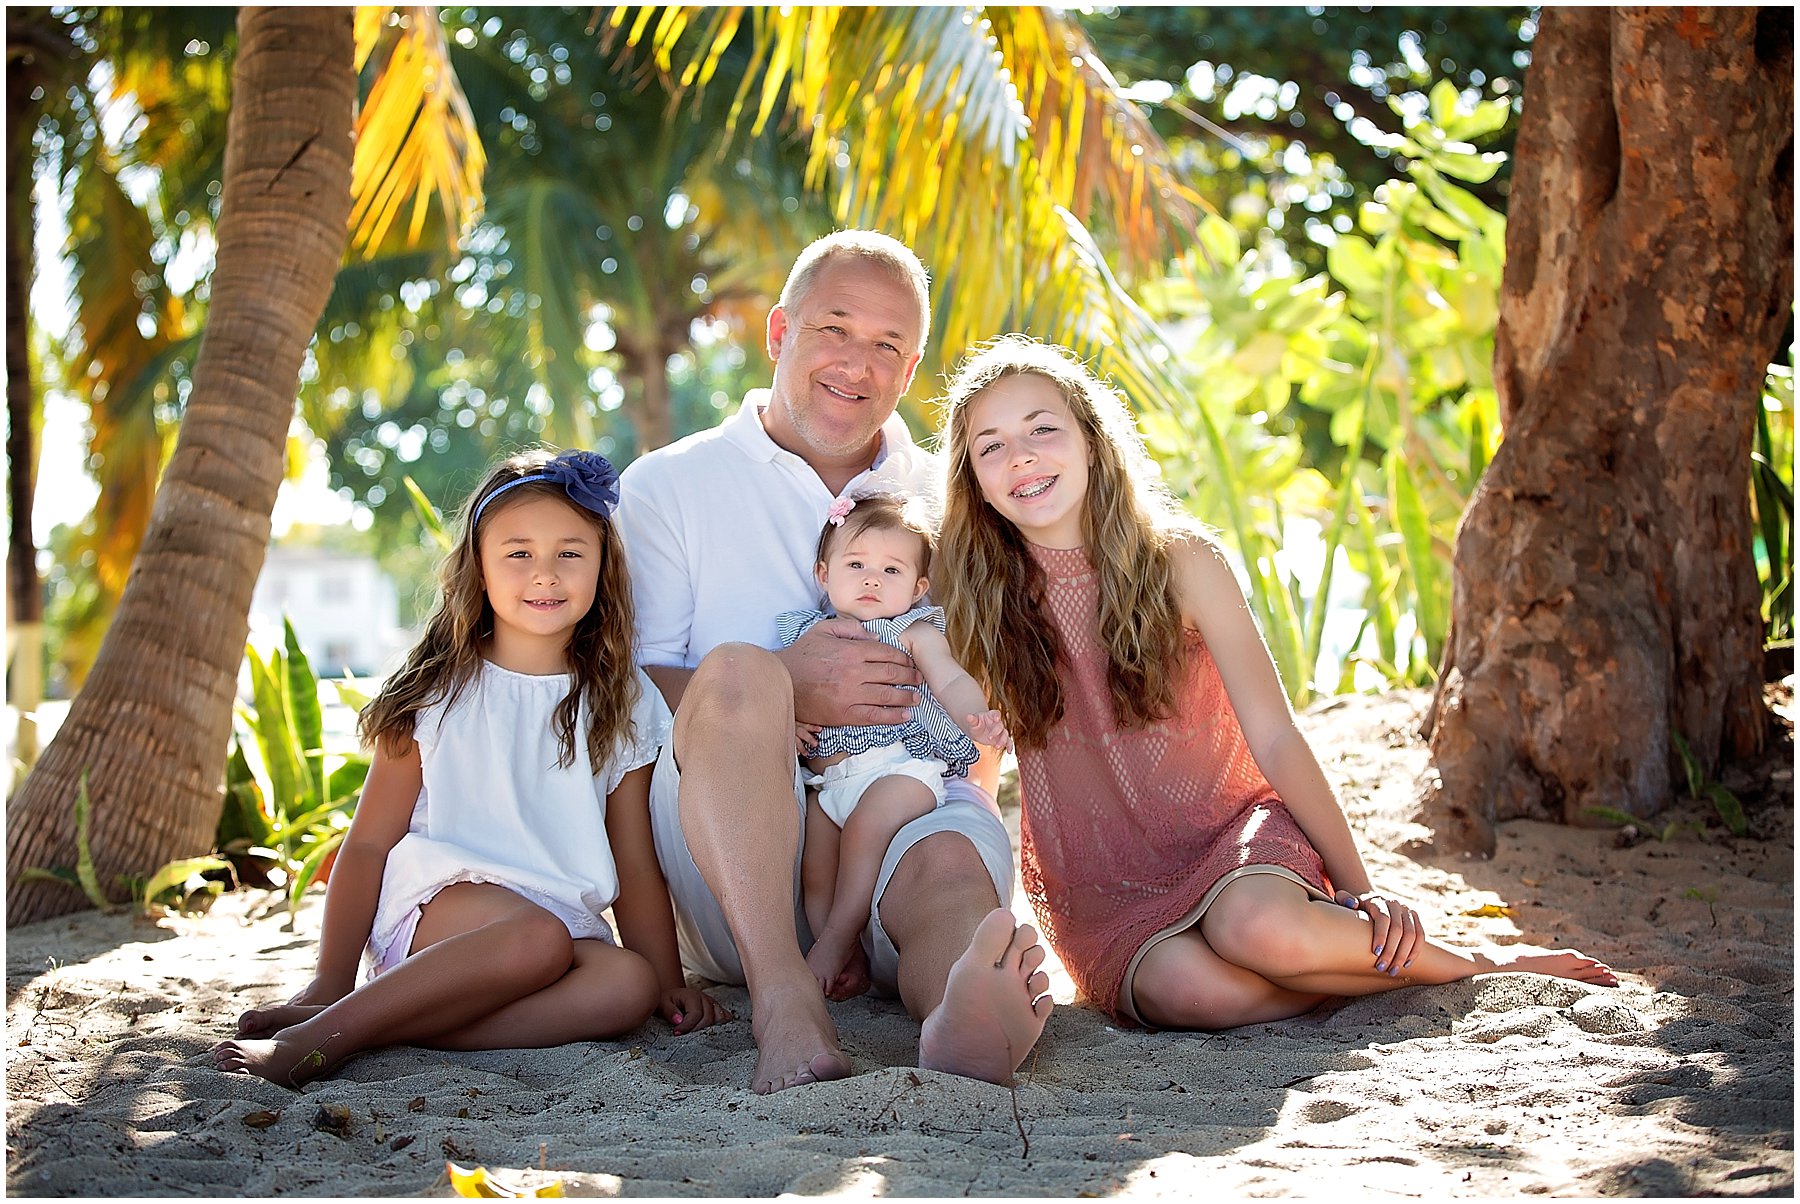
(286, 1061)
(266, 1022)
(1557, 963)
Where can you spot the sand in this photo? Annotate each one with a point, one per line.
(1679, 1082)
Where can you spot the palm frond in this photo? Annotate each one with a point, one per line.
(992, 140)
(415, 135)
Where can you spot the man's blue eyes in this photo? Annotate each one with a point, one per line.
(842, 333)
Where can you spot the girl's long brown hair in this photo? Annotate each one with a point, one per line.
(444, 662)
(993, 592)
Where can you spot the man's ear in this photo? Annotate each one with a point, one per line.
(777, 332)
(910, 369)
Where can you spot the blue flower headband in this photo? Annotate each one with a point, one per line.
(588, 477)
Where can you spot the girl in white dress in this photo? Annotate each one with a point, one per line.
(507, 807)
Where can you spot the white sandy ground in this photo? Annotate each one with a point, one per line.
(1680, 1082)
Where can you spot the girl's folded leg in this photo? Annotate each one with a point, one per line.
(478, 947)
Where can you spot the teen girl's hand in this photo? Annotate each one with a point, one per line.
(690, 1009)
(1396, 932)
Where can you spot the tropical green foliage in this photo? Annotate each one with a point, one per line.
(1772, 500)
(1280, 116)
(1359, 401)
(288, 800)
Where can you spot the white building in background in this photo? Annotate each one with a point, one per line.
(344, 608)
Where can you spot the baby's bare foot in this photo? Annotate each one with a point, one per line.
(795, 1040)
(995, 1004)
(285, 1062)
(853, 979)
(266, 1022)
(827, 960)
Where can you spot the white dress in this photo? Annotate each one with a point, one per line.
(496, 807)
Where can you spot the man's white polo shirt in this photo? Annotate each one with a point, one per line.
(721, 529)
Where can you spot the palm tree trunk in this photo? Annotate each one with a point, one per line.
(1605, 595)
(24, 596)
(150, 728)
(32, 46)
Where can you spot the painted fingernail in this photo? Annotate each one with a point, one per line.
(1378, 950)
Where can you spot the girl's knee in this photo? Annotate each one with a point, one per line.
(1259, 934)
(627, 994)
(537, 946)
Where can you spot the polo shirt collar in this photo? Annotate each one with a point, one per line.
(745, 430)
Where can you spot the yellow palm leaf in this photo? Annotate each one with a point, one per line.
(415, 134)
(992, 139)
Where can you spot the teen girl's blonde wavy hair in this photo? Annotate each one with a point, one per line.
(993, 592)
(602, 671)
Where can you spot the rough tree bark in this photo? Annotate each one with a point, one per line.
(1605, 592)
(150, 728)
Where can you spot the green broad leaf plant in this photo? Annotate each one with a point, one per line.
(288, 802)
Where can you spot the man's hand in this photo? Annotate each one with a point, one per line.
(843, 676)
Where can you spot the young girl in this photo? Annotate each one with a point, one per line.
(1181, 847)
(505, 810)
(874, 554)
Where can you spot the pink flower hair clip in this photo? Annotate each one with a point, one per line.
(839, 510)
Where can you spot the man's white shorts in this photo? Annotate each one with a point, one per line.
(707, 947)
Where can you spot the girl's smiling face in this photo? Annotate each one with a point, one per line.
(1030, 458)
(540, 564)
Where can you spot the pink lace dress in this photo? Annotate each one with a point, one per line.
(1128, 834)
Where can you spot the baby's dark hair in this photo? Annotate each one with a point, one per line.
(880, 512)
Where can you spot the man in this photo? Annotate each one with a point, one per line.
(721, 529)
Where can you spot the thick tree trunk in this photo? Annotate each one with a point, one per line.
(150, 728)
(1605, 591)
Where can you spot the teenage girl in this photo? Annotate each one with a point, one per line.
(506, 808)
(1183, 851)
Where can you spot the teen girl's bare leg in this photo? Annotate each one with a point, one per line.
(479, 951)
(734, 742)
(1305, 949)
(888, 805)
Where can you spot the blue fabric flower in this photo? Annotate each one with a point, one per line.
(589, 477)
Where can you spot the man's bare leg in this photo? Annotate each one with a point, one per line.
(968, 969)
(734, 741)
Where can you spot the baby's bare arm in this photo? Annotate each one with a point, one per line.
(954, 688)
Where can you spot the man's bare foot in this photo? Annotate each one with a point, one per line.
(1557, 963)
(286, 1062)
(994, 1005)
(795, 1040)
(266, 1022)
